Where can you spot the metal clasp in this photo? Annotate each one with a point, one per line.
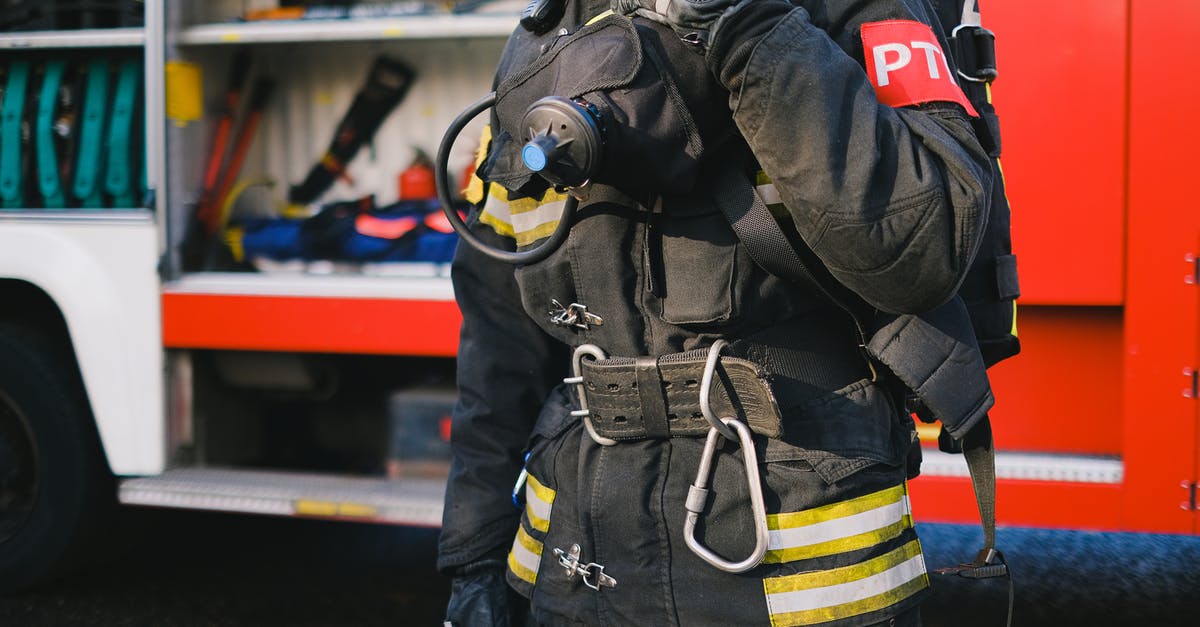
(698, 497)
(590, 350)
(988, 563)
(592, 573)
(573, 315)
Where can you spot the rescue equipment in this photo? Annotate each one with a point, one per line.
(353, 231)
(119, 175)
(48, 181)
(386, 85)
(571, 122)
(88, 172)
(70, 133)
(697, 500)
(12, 171)
(239, 69)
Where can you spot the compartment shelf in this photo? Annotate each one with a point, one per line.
(85, 38)
(303, 31)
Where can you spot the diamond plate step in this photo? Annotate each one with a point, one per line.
(406, 501)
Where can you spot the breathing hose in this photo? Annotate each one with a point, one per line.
(534, 255)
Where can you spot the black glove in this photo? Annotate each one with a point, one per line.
(695, 21)
(479, 597)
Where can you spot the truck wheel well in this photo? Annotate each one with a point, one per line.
(28, 306)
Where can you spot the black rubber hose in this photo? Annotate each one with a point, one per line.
(533, 255)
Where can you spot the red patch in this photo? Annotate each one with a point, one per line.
(907, 66)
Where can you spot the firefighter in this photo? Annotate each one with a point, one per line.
(693, 440)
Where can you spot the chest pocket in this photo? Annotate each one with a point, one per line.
(700, 273)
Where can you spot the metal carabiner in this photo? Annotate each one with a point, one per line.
(698, 497)
(595, 352)
(710, 368)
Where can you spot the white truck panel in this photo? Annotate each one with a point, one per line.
(101, 273)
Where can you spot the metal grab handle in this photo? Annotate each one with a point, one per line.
(590, 350)
(698, 497)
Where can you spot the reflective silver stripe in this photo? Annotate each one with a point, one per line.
(769, 194)
(528, 221)
(850, 591)
(497, 208)
(839, 528)
(539, 501)
(821, 596)
(525, 557)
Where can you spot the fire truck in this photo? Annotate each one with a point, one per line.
(320, 388)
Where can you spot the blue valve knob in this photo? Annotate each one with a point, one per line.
(537, 153)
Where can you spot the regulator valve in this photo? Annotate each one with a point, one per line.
(564, 140)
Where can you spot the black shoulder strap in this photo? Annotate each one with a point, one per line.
(760, 232)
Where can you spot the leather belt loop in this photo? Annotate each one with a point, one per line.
(650, 393)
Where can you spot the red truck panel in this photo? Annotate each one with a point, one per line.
(1061, 97)
(1062, 394)
(1161, 319)
(311, 324)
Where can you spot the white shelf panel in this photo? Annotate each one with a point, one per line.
(433, 288)
(85, 38)
(295, 31)
(76, 215)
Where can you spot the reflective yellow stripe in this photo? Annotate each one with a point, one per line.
(308, 507)
(541, 491)
(836, 510)
(850, 525)
(822, 596)
(538, 502)
(474, 191)
(495, 211)
(525, 557)
(524, 219)
(599, 17)
(357, 510)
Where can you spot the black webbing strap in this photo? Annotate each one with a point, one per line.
(758, 230)
(980, 453)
